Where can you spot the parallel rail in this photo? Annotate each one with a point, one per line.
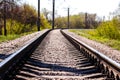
(8, 67)
(104, 64)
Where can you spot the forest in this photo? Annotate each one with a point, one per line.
(79, 21)
(20, 17)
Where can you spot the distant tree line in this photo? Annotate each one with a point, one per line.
(81, 20)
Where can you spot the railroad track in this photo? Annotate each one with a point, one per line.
(53, 57)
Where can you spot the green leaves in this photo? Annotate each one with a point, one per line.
(93, 35)
(109, 29)
(21, 18)
(77, 21)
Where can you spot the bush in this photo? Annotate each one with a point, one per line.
(109, 29)
(15, 27)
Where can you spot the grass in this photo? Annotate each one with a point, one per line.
(12, 36)
(8, 37)
(91, 34)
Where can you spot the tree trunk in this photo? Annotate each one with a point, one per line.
(0, 29)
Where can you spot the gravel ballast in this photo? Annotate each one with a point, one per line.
(9, 47)
(57, 59)
(106, 50)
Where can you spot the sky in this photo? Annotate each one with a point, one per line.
(100, 7)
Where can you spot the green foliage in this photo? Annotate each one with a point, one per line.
(89, 33)
(8, 37)
(93, 35)
(16, 27)
(107, 32)
(45, 12)
(109, 29)
(116, 22)
(12, 36)
(44, 23)
(61, 22)
(76, 21)
(21, 19)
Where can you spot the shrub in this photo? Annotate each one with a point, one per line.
(109, 29)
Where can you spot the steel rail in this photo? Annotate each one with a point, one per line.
(8, 65)
(107, 65)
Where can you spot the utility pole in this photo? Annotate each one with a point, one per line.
(103, 18)
(38, 21)
(86, 21)
(68, 18)
(53, 15)
(5, 31)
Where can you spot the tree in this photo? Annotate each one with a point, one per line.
(6, 6)
(77, 21)
(92, 20)
(20, 18)
(45, 13)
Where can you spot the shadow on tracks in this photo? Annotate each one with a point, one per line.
(3, 56)
(37, 68)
